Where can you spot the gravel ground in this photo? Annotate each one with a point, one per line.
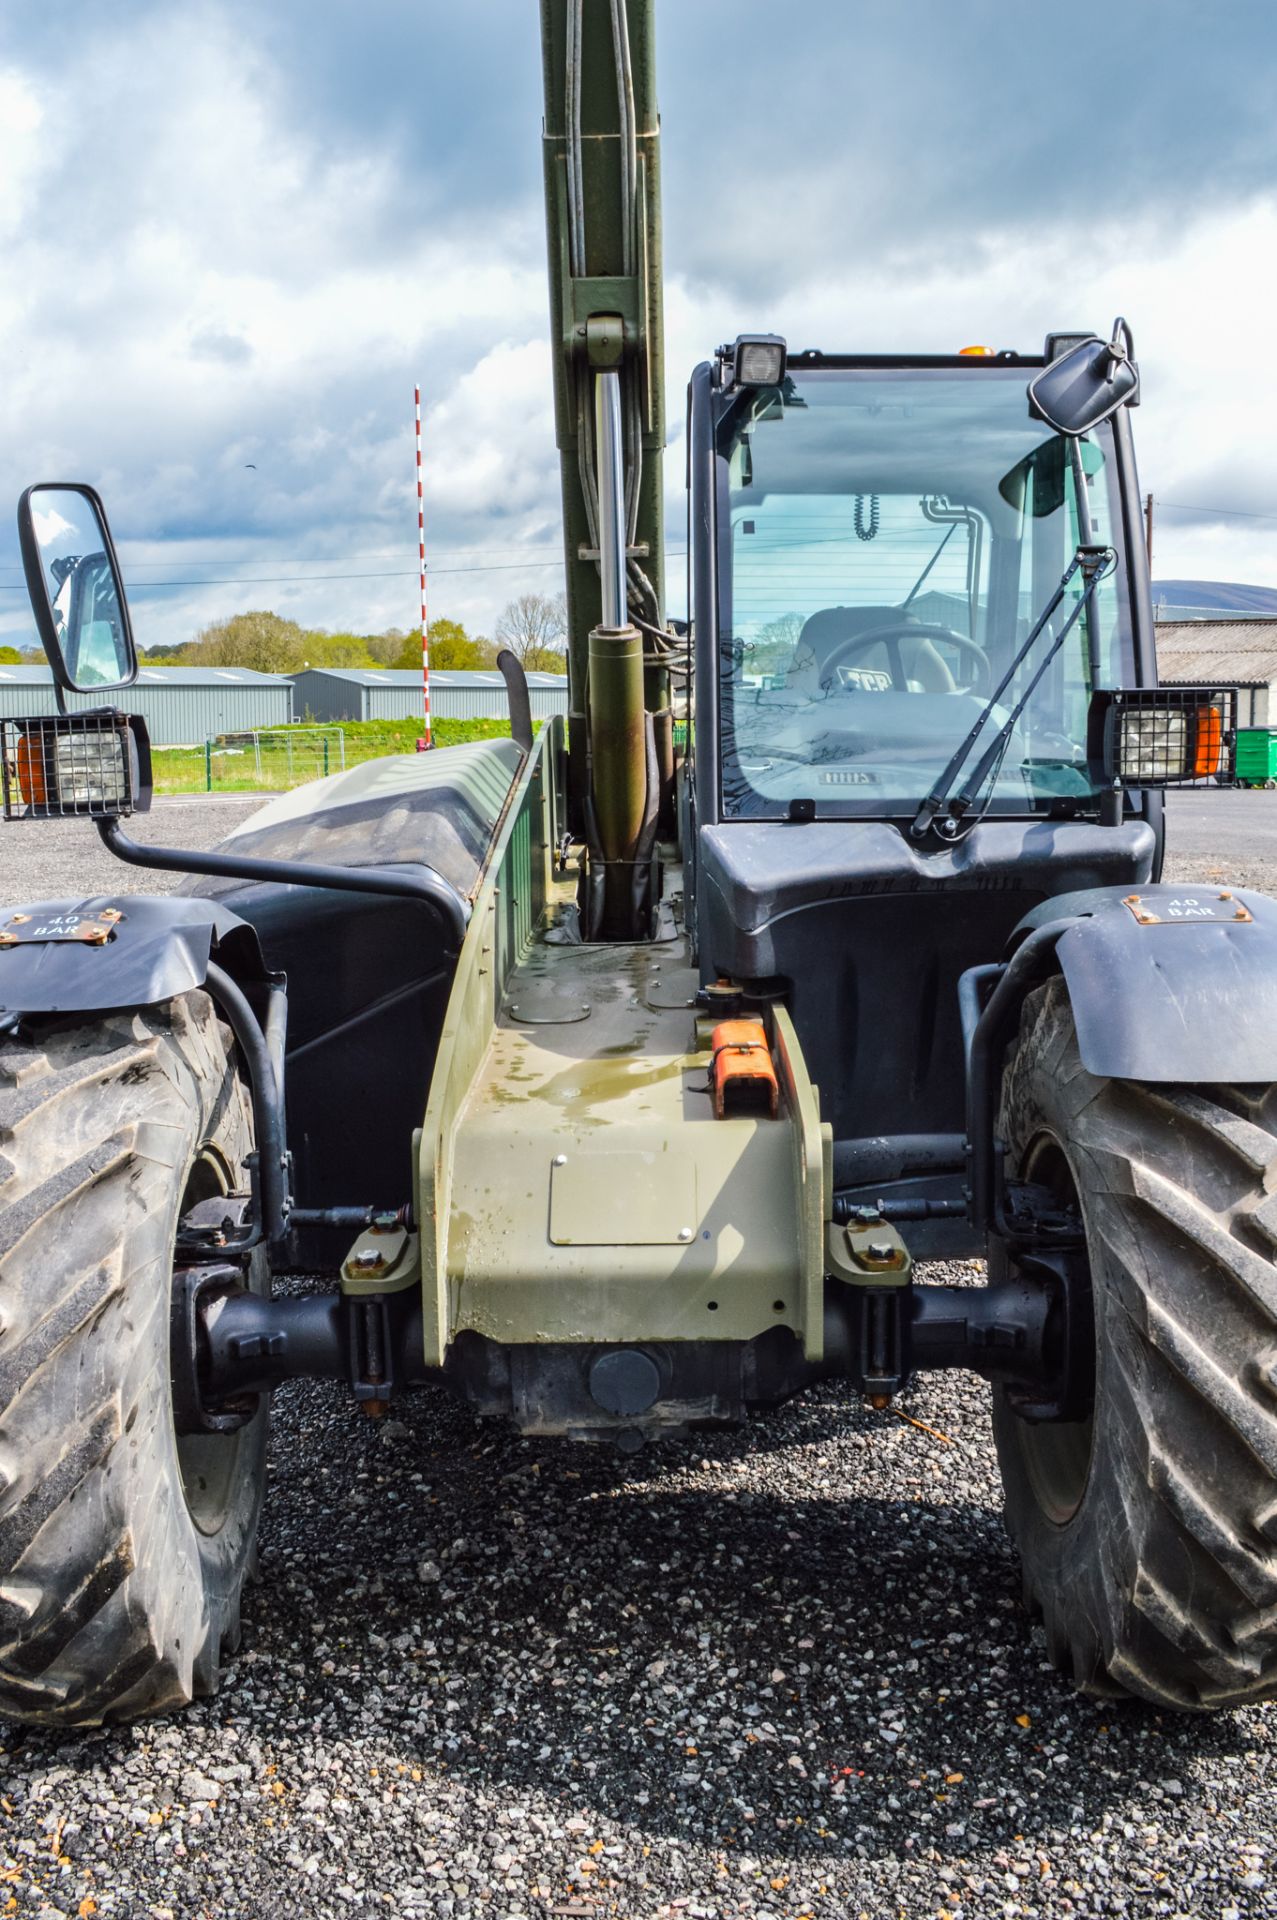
(49, 860)
(778, 1672)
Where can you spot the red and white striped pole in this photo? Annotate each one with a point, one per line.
(421, 555)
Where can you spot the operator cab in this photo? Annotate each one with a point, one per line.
(897, 640)
(886, 536)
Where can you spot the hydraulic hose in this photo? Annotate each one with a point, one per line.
(268, 1114)
(1029, 964)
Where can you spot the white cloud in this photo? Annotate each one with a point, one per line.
(21, 118)
(49, 525)
(219, 332)
(488, 439)
(1200, 297)
(215, 308)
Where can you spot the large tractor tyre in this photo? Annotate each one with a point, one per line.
(123, 1547)
(1148, 1530)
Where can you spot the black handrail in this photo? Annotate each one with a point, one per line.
(425, 884)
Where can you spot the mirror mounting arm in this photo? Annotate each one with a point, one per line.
(1121, 349)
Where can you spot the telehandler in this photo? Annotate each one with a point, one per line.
(618, 1079)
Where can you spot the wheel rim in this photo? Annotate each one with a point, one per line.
(208, 1462)
(1056, 1454)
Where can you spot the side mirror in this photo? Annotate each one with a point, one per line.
(76, 592)
(1086, 384)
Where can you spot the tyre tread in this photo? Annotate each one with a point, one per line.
(1178, 1601)
(87, 1631)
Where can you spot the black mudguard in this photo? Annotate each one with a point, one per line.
(159, 947)
(1170, 983)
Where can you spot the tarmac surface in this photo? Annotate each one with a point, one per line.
(777, 1672)
(1238, 824)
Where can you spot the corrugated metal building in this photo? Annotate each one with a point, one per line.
(389, 693)
(1236, 653)
(182, 706)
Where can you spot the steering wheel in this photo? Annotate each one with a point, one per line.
(890, 635)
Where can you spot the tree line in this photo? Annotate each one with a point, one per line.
(533, 626)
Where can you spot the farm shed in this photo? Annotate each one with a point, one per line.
(182, 706)
(389, 693)
(1233, 652)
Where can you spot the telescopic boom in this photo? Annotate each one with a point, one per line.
(603, 227)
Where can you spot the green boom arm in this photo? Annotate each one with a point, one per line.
(603, 228)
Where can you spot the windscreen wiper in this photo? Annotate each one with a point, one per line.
(1094, 563)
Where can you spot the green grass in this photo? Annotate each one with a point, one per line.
(235, 766)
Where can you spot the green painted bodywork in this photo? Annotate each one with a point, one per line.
(386, 1260)
(574, 1183)
(511, 901)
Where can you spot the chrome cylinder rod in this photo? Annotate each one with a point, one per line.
(611, 476)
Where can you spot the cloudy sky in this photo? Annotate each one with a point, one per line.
(235, 234)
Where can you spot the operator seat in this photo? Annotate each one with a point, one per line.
(823, 631)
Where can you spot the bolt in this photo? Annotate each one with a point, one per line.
(1131, 900)
(559, 1160)
(687, 1233)
(1225, 896)
(879, 1401)
(1241, 914)
(880, 1250)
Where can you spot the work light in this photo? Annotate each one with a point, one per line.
(94, 765)
(759, 360)
(1162, 736)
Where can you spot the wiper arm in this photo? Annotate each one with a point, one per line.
(1093, 571)
(1095, 563)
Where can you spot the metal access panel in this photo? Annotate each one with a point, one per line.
(611, 1198)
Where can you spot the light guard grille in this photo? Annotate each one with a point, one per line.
(70, 766)
(1163, 736)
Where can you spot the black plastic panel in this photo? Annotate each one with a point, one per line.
(368, 985)
(867, 937)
